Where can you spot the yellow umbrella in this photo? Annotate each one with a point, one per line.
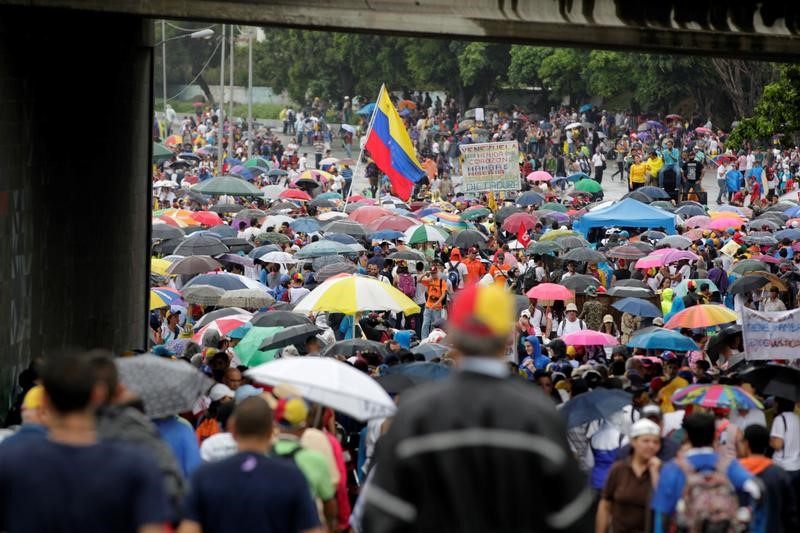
(353, 294)
(159, 266)
(725, 214)
(701, 316)
(556, 233)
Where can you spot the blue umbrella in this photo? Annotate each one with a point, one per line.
(790, 233)
(341, 238)
(386, 235)
(421, 370)
(637, 307)
(223, 231)
(584, 108)
(428, 211)
(366, 110)
(233, 161)
(261, 250)
(578, 176)
(594, 405)
(304, 225)
(662, 339)
(792, 212)
(530, 198)
(223, 281)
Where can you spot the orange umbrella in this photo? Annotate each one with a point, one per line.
(172, 140)
(701, 316)
(179, 217)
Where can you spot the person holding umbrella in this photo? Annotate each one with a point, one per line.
(508, 432)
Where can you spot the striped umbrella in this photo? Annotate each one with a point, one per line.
(352, 294)
(710, 395)
(425, 233)
(625, 252)
(701, 316)
(163, 297)
(447, 220)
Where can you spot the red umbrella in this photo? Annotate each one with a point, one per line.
(368, 213)
(207, 218)
(295, 194)
(550, 291)
(519, 220)
(391, 222)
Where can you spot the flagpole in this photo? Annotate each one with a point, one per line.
(361, 153)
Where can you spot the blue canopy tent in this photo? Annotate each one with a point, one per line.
(626, 213)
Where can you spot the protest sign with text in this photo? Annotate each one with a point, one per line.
(490, 167)
(773, 335)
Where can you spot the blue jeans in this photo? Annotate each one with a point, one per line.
(676, 168)
(429, 316)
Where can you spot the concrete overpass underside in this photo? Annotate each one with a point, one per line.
(74, 268)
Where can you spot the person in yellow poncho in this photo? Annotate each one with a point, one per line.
(653, 164)
(637, 173)
(666, 301)
(673, 383)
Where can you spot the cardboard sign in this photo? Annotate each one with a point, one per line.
(490, 167)
(774, 335)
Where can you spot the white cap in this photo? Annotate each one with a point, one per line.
(644, 426)
(220, 391)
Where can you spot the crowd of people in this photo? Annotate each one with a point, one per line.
(548, 375)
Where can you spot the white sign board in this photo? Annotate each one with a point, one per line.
(773, 335)
(479, 117)
(490, 167)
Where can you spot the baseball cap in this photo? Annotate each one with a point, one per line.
(220, 391)
(644, 426)
(651, 410)
(291, 412)
(245, 391)
(607, 319)
(297, 276)
(33, 398)
(482, 311)
(572, 307)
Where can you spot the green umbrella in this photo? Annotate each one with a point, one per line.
(329, 196)
(322, 248)
(161, 153)
(247, 349)
(257, 162)
(472, 214)
(681, 289)
(228, 185)
(553, 206)
(272, 237)
(543, 247)
(749, 265)
(426, 233)
(588, 186)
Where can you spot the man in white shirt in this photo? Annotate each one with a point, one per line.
(773, 303)
(302, 163)
(570, 271)
(571, 322)
(721, 171)
(531, 319)
(296, 290)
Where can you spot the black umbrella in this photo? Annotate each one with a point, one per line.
(333, 269)
(594, 405)
(322, 202)
(226, 208)
(776, 380)
(652, 235)
(656, 193)
(165, 231)
(168, 246)
(217, 313)
(747, 284)
(720, 339)
(353, 347)
(630, 292)
(631, 283)
(194, 264)
(569, 242)
(431, 351)
(278, 318)
(505, 212)
(348, 227)
(236, 245)
(398, 383)
(586, 255)
(639, 196)
(406, 255)
(466, 239)
(690, 210)
(290, 335)
(643, 246)
(580, 282)
(201, 245)
(223, 231)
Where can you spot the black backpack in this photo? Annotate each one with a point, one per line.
(526, 282)
(453, 275)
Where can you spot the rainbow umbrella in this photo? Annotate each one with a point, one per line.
(588, 337)
(725, 396)
(701, 316)
(446, 220)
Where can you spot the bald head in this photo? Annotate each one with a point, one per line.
(253, 419)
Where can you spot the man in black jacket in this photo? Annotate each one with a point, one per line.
(462, 452)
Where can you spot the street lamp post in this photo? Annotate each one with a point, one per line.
(249, 93)
(221, 117)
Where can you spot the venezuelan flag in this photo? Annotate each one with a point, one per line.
(390, 147)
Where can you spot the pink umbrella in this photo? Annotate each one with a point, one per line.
(588, 337)
(550, 291)
(368, 213)
(513, 223)
(703, 131)
(664, 258)
(725, 223)
(539, 175)
(222, 325)
(766, 259)
(697, 221)
(393, 222)
(693, 234)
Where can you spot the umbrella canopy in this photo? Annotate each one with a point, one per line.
(348, 227)
(776, 380)
(466, 239)
(504, 212)
(749, 265)
(747, 284)
(425, 233)
(543, 247)
(387, 235)
(290, 335)
(701, 316)
(423, 370)
(223, 231)
(201, 245)
(407, 255)
(662, 339)
(247, 298)
(218, 313)
(518, 221)
(539, 176)
(594, 405)
(588, 186)
(637, 307)
(163, 231)
(713, 395)
(353, 347)
(656, 193)
(625, 252)
(194, 264)
(580, 282)
(166, 387)
(279, 318)
(391, 222)
(227, 186)
(368, 213)
(207, 218)
(398, 383)
(530, 198)
(682, 288)
(329, 382)
(164, 297)
(550, 291)
(690, 210)
(430, 350)
(622, 291)
(334, 269)
(588, 337)
(225, 281)
(568, 243)
(318, 262)
(698, 221)
(248, 350)
(202, 294)
(554, 206)
(586, 255)
(353, 294)
(321, 248)
(675, 241)
(281, 258)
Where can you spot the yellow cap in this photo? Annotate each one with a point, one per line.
(33, 398)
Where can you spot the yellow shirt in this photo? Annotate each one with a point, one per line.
(654, 165)
(636, 173)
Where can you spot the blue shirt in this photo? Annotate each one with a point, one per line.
(182, 440)
(670, 157)
(670, 483)
(25, 434)
(251, 492)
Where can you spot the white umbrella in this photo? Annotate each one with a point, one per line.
(329, 382)
(168, 184)
(278, 257)
(348, 127)
(275, 221)
(272, 191)
(250, 298)
(328, 161)
(331, 215)
(574, 125)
